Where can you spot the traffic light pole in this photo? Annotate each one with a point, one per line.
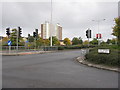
(35, 44)
(9, 49)
(88, 46)
(88, 43)
(98, 21)
(17, 42)
(98, 33)
(9, 46)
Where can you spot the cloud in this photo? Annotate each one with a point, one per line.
(74, 17)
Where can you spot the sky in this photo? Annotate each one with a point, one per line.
(74, 16)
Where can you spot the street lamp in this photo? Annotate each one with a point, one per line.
(98, 21)
(51, 26)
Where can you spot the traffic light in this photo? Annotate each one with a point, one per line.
(34, 34)
(36, 30)
(8, 32)
(88, 33)
(28, 35)
(98, 36)
(19, 31)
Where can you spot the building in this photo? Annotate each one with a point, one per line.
(62, 43)
(47, 28)
(58, 31)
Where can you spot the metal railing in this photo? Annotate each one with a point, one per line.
(13, 49)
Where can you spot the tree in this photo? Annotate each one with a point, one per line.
(103, 43)
(116, 29)
(76, 41)
(85, 42)
(111, 41)
(46, 42)
(55, 41)
(31, 39)
(94, 41)
(67, 41)
(13, 38)
(4, 41)
(39, 42)
(108, 41)
(81, 41)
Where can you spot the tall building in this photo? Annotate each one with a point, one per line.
(47, 29)
(58, 31)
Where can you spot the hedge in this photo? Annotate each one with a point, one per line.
(75, 47)
(111, 59)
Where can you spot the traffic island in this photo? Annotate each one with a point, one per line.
(99, 66)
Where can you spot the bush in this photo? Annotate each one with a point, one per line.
(60, 48)
(111, 59)
(74, 47)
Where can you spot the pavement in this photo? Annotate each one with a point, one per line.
(54, 70)
(99, 66)
(25, 53)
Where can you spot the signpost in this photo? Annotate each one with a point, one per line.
(98, 36)
(26, 41)
(9, 44)
(107, 51)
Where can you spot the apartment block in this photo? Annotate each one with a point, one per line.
(48, 29)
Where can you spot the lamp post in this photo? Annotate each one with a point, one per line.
(51, 27)
(98, 21)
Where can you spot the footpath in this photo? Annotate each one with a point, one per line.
(99, 66)
(24, 53)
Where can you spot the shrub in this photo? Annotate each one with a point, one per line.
(111, 59)
(60, 48)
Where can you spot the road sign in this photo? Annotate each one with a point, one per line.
(9, 43)
(104, 51)
(26, 41)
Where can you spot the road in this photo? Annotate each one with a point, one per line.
(54, 70)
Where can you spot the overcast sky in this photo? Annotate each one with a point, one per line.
(75, 17)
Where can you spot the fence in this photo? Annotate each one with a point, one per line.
(15, 49)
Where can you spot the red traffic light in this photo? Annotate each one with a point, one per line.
(98, 36)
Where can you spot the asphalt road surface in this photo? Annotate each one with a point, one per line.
(54, 70)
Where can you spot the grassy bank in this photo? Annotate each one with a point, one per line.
(111, 59)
